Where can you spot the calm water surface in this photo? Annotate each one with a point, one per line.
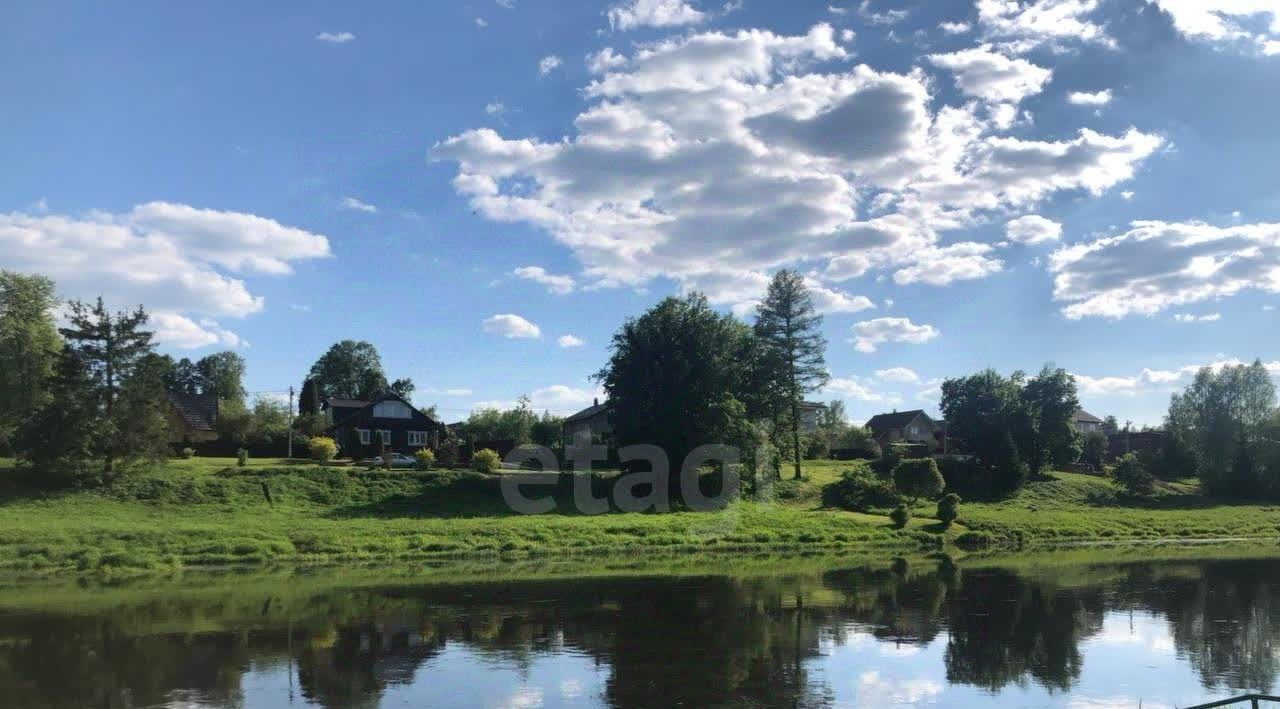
(928, 633)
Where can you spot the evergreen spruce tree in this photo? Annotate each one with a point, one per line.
(793, 350)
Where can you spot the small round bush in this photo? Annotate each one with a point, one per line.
(918, 477)
(425, 458)
(900, 516)
(860, 490)
(1133, 476)
(948, 508)
(975, 540)
(322, 449)
(242, 457)
(486, 461)
(188, 453)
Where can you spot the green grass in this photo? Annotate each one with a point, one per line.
(1070, 507)
(208, 512)
(189, 514)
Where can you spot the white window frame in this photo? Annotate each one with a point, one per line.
(366, 436)
(417, 438)
(386, 436)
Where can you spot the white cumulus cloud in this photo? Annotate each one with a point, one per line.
(1032, 229)
(868, 334)
(548, 64)
(567, 341)
(982, 72)
(1084, 98)
(713, 158)
(900, 375)
(1027, 24)
(1155, 380)
(177, 261)
(557, 284)
(511, 326)
(653, 13)
(1226, 21)
(1159, 265)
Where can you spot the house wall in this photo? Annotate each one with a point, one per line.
(1088, 426)
(348, 437)
(809, 417)
(597, 426)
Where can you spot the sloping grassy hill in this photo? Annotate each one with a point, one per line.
(1073, 507)
(184, 514)
(209, 512)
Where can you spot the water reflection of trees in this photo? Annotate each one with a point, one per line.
(697, 641)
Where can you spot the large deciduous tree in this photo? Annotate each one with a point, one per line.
(1014, 425)
(223, 374)
(1222, 417)
(984, 410)
(792, 350)
(350, 370)
(675, 378)
(184, 377)
(1050, 402)
(29, 347)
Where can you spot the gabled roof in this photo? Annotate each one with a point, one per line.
(1082, 416)
(589, 412)
(346, 403)
(356, 408)
(881, 423)
(198, 411)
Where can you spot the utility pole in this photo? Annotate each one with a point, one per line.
(290, 422)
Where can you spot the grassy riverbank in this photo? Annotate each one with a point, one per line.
(208, 513)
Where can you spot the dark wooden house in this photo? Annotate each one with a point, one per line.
(364, 429)
(193, 418)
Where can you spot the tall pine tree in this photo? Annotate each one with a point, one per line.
(792, 350)
(111, 348)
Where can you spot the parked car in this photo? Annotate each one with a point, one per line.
(398, 460)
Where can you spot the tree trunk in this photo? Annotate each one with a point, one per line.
(795, 434)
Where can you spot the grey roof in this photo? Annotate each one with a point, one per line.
(589, 412)
(198, 411)
(881, 423)
(347, 403)
(1082, 416)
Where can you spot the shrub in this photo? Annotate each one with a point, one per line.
(975, 540)
(1133, 476)
(1095, 450)
(900, 516)
(447, 454)
(322, 449)
(188, 453)
(242, 457)
(860, 490)
(817, 446)
(918, 477)
(486, 461)
(425, 458)
(948, 508)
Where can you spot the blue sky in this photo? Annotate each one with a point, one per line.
(1093, 183)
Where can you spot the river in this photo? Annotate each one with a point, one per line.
(930, 631)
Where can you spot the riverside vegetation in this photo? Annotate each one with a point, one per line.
(94, 488)
(210, 512)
